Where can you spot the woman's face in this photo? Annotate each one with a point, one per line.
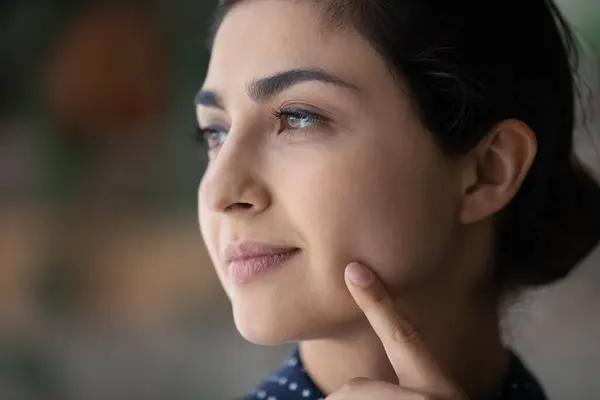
(315, 147)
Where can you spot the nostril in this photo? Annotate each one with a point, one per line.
(240, 206)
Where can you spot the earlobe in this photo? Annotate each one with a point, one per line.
(496, 169)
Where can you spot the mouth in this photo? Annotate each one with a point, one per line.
(249, 261)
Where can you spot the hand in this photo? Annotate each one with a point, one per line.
(418, 374)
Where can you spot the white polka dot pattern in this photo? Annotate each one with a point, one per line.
(291, 382)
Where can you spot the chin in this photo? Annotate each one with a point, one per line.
(265, 321)
(274, 324)
(265, 326)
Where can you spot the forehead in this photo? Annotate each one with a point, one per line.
(260, 38)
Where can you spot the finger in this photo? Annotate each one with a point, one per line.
(403, 345)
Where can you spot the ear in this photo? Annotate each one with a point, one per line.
(495, 170)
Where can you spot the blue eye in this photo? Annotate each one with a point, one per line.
(292, 119)
(300, 122)
(213, 137)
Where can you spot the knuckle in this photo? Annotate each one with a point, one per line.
(404, 332)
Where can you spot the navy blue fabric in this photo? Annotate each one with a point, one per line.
(290, 382)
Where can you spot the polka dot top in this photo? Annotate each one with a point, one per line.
(291, 382)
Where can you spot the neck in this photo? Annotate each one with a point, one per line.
(468, 349)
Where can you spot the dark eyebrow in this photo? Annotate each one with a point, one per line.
(266, 88)
(206, 98)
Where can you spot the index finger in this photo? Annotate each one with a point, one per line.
(403, 345)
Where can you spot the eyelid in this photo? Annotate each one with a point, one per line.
(213, 127)
(298, 112)
(212, 120)
(289, 107)
(305, 107)
(212, 116)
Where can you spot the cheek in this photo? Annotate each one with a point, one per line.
(209, 228)
(207, 224)
(379, 211)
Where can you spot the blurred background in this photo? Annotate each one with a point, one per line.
(106, 291)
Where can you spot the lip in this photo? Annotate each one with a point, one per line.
(248, 261)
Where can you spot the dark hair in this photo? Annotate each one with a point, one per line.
(470, 64)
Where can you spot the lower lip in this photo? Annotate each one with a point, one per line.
(249, 269)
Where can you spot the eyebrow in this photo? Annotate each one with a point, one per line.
(265, 89)
(206, 98)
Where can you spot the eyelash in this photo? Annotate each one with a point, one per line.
(284, 113)
(201, 134)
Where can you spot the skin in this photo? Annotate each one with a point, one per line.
(364, 183)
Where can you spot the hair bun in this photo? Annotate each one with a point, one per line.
(570, 228)
(573, 236)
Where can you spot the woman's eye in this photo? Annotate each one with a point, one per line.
(298, 119)
(213, 136)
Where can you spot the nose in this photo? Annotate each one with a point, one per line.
(232, 183)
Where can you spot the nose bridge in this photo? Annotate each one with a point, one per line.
(233, 177)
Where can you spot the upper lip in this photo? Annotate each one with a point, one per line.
(246, 250)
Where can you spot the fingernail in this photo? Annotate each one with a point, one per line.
(359, 275)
